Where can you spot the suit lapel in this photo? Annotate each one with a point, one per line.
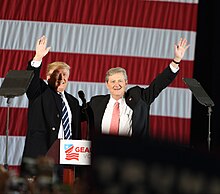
(101, 110)
(58, 101)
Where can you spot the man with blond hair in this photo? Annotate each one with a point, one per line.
(46, 101)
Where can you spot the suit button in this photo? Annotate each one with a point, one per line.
(58, 115)
(53, 128)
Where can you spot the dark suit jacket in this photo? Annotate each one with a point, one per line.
(44, 116)
(137, 98)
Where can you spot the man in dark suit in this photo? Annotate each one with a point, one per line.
(44, 110)
(134, 104)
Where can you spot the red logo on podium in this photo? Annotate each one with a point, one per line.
(70, 155)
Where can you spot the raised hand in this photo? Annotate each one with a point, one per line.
(41, 48)
(180, 49)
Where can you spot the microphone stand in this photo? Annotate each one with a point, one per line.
(87, 119)
(84, 110)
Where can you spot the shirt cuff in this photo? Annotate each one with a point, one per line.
(35, 64)
(173, 69)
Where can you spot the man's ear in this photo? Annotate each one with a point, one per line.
(48, 77)
(106, 84)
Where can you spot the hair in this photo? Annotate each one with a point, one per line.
(115, 70)
(57, 65)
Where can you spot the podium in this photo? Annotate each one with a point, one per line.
(203, 99)
(15, 84)
(70, 153)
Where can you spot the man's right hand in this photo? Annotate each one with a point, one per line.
(41, 49)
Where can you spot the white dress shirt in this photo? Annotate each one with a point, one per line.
(125, 124)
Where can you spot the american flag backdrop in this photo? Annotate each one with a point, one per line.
(93, 36)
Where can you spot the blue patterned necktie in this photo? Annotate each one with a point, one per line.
(65, 120)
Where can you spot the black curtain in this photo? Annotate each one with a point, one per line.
(206, 71)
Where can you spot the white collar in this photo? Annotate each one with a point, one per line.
(112, 100)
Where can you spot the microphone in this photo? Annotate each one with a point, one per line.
(82, 97)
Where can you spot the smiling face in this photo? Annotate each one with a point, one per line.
(58, 79)
(116, 85)
(58, 75)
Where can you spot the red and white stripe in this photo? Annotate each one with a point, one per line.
(92, 36)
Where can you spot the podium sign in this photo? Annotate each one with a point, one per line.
(75, 152)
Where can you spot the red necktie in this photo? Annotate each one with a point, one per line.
(114, 126)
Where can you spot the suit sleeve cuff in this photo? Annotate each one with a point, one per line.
(35, 64)
(173, 69)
